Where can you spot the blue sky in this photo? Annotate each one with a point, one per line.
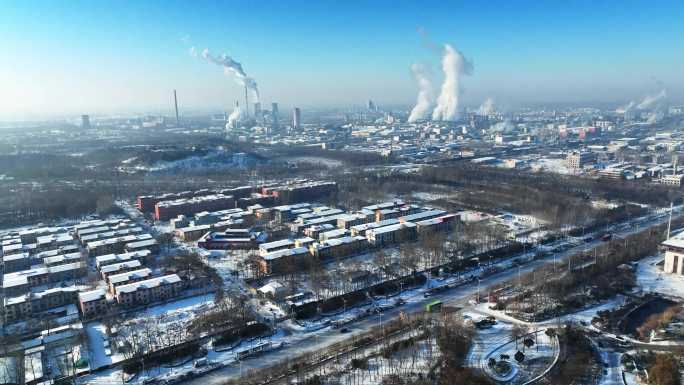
(68, 57)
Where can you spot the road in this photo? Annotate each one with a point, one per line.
(612, 371)
(302, 343)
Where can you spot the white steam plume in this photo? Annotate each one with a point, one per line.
(487, 107)
(651, 101)
(235, 116)
(231, 67)
(454, 64)
(426, 93)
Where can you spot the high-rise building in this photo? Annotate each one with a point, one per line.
(371, 106)
(85, 122)
(257, 109)
(297, 118)
(274, 114)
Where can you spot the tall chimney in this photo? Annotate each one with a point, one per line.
(175, 102)
(246, 103)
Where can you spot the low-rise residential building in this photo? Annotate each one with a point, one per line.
(283, 260)
(149, 290)
(148, 244)
(440, 224)
(93, 303)
(127, 277)
(270, 247)
(21, 281)
(121, 267)
(86, 240)
(391, 234)
(31, 304)
(335, 248)
(337, 233)
(114, 245)
(53, 241)
(16, 262)
(362, 229)
(109, 259)
(62, 259)
(349, 220)
(166, 210)
(234, 239)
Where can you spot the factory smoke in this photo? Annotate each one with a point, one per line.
(426, 94)
(656, 103)
(236, 116)
(487, 107)
(454, 65)
(232, 68)
(652, 101)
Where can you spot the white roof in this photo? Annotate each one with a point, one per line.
(285, 252)
(129, 275)
(390, 228)
(92, 295)
(148, 283)
(119, 266)
(276, 244)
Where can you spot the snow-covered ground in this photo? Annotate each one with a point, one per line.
(651, 278)
(558, 166)
(319, 334)
(496, 341)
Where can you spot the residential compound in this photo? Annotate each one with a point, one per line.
(45, 270)
(168, 206)
(322, 233)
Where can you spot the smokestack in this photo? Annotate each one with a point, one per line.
(175, 102)
(246, 102)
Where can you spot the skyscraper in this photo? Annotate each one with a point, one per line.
(257, 109)
(85, 122)
(297, 118)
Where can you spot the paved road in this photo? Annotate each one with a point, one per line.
(612, 372)
(458, 296)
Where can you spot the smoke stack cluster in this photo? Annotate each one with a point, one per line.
(454, 66)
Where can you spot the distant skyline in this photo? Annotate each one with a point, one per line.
(98, 57)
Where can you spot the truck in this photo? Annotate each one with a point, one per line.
(434, 306)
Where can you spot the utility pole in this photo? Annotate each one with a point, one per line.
(669, 222)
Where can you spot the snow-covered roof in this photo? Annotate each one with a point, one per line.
(148, 283)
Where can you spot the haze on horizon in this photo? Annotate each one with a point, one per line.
(71, 57)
